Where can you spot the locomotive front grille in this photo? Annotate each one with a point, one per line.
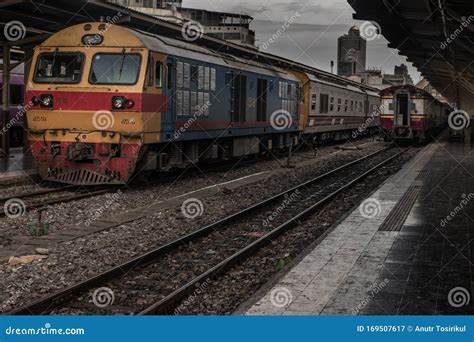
(82, 177)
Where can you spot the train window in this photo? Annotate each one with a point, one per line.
(313, 101)
(346, 105)
(213, 79)
(331, 104)
(352, 105)
(59, 67)
(179, 74)
(339, 103)
(201, 77)
(207, 74)
(360, 107)
(194, 73)
(151, 63)
(186, 75)
(323, 103)
(159, 74)
(115, 68)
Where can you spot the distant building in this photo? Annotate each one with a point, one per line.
(351, 53)
(232, 27)
(399, 77)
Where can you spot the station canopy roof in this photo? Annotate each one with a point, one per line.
(436, 36)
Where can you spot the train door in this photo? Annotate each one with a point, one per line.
(262, 88)
(402, 114)
(239, 105)
(170, 92)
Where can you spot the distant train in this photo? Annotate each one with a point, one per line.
(411, 114)
(106, 106)
(14, 124)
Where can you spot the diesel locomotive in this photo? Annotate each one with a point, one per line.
(108, 102)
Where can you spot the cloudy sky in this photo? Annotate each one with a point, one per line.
(312, 38)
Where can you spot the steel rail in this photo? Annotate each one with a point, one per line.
(52, 301)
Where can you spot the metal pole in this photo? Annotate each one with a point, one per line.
(6, 101)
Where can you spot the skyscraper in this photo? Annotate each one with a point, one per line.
(351, 53)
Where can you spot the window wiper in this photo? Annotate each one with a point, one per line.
(121, 64)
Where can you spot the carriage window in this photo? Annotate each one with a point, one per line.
(118, 68)
(324, 103)
(313, 101)
(339, 103)
(59, 67)
(159, 74)
(331, 104)
(346, 105)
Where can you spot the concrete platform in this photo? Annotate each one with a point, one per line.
(408, 249)
(18, 166)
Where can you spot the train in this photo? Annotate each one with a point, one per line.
(108, 102)
(14, 124)
(410, 114)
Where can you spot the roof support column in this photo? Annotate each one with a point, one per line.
(5, 134)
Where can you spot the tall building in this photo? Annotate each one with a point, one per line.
(351, 53)
(232, 27)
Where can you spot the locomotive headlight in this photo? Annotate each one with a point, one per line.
(118, 102)
(46, 101)
(35, 100)
(129, 103)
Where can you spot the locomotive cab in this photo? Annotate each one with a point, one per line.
(85, 100)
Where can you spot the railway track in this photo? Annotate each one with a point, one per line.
(158, 281)
(34, 200)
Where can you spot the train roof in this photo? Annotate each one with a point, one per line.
(408, 87)
(341, 84)
(192, 51)
(414, 91)
(117, 36)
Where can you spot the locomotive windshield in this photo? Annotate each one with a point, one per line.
(59, 67)
(115, 68)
